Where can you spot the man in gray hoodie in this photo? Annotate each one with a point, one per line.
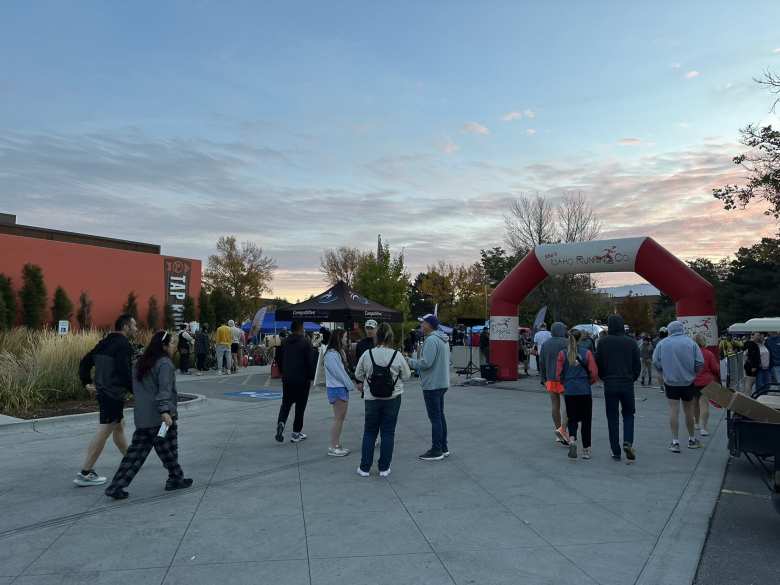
(679, 358)
(548, 364)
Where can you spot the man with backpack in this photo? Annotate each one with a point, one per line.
(112, 360)
(297, 361)
(433, 365)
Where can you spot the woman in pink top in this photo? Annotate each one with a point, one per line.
(709, 373)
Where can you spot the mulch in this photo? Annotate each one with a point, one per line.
(75, 407)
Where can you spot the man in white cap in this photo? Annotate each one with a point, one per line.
(369, 341)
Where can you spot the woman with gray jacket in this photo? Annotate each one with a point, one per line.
(154, 388)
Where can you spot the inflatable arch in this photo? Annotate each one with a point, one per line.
(694, 296)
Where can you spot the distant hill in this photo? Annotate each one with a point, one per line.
(640, 290)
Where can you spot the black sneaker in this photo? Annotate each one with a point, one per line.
(279, 433)
(616, 457)
(628, 449)
(431, 455)
(177, 484)
(119, 494)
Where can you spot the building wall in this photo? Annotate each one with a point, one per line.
(106, 274)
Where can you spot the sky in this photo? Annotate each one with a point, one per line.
(309, 125)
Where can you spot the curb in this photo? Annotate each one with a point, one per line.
(677, 553)
(55, 421)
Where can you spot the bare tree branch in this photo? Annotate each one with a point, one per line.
(341, 264)
(772, 81)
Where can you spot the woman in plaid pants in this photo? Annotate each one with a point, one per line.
(154, 388)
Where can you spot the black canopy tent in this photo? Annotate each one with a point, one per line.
(339, 304)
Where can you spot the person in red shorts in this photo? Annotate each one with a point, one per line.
(548, 365)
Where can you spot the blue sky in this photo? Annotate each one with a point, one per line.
(307, 125)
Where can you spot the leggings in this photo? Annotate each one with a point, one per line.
(580, 411)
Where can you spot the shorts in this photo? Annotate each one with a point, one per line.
(684, 393)
(233, 348)
(697, 391)
(335, 394)
(111, 410)
(554, 387)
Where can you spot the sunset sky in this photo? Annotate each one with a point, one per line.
(309, 125)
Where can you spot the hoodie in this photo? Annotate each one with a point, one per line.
(112, 360)
(433, 364)
(548, 355)
(297, 360)
(678, 357)
(617, 357)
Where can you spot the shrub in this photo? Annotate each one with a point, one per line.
(170, 319)
(33, 296)
(84, 314)
(131, 306)
(188, 314)
(62, 307)
(8, 315)
(153, 314)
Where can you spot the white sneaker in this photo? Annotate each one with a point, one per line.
(338, 452)
(704, 433)
(446, 453)
(384, 473)
(297, 437)
(362, 473)
(89, 479)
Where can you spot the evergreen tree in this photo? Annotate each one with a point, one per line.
(153, 314)
(3, 322)
(8, 314)
(131, 306)
(170, 319)
(62, 307)
(188, 314)
(206, 313)
(33, 296)
(84, 314)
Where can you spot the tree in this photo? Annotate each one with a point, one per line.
(637, 312)
(84, 314)
(131, 305)
(750, 287)
(206, 310)
(223, 305)
(188, 314)
(497, 264)
(169, 319)
(153, 314)
(33, 296)
(62, 307)
(8, 315)
(419, 303)
(244, 272)
(340, 264)
(761, 163)
(384, 279)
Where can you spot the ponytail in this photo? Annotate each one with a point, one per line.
(574, 338)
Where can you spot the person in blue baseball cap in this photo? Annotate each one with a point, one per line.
(433, 365)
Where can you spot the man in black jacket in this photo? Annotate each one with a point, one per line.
(619, 365)
(112, 360)
(297, 361)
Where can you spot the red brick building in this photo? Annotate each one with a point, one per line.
(106, 269)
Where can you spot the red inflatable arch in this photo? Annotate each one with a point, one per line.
(694, 296)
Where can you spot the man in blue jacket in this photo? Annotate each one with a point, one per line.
(433, 365)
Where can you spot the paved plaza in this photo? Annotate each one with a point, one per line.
(507, 507)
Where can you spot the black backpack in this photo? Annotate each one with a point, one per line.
(381, 382)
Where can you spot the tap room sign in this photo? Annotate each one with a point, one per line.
(177, 285)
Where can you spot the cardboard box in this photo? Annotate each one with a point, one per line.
(740, 403)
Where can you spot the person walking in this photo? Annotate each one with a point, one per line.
(619, 366)
(185, 346)
(383, 372)
(679, 360)
(112, 360)
(548, 363)
(708, 374)
(433, 366)
(758, 360)
(539, 338)
(297, 361)
(224, 341)
(338, 386)
(154, 389)
(201, 348)
(663, 333)
(576, 369)
(236, 341)
(646, 355)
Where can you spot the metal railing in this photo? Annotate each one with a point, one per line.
(735, 370)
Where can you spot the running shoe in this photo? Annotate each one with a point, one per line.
(628, 449)
(279, 432)
(362, 473)
(586, 453)
(119, 494)
(562, 435)
(177, 484)
(694, 444)
(674, 447)
(431, 455)
(573, 450)
(89, 479)
(446, 453)
(704, 433)
(338, 452)
(297, 437)
(384, 473)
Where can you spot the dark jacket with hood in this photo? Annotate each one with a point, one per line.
(548, 356)
(297, 360)
(617, 357)
(112, 360)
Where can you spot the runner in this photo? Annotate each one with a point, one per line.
(548, 363)
(708, 374)
(338, 384)
(112, 360)
(646, 355)
(679, 359)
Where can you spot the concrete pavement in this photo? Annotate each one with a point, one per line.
(507, 508)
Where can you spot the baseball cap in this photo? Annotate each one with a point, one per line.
(371, 324)
(432, 320)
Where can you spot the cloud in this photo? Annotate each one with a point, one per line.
(777, 51)
(510, 116)
(683, 124)
(450, 147)
(530, 114)
(629, 141)
(692, 74)
(531, 131)
(475, 128)
(675, 65)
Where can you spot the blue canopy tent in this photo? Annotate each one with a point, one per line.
(271, 325)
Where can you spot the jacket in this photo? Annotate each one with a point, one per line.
(548, 355)
(112, 360)
(201, 342)
(617, 356)
(433, 364)
(711, 370)
(382, 356)
(155, 394)
(678, 357)
(773, 345)
(297, 360)
(336, 375)
(224, 335)
(362, 346)
(577, 380)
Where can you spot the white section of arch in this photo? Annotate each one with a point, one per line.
(584, 257)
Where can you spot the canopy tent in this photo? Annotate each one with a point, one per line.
(271, 325)
(339, 304)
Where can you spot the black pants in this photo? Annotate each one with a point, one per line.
(184, 362)
(297, 394)
(200, 360)
(144, 440)
(579, 409)
(619, 397)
